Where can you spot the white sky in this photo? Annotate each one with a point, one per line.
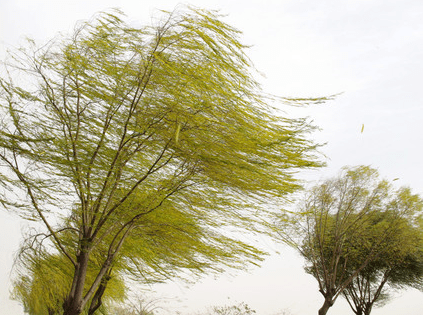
(371, 50)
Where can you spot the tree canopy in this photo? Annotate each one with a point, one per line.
(349, 224)
(399, 265)
(140, 151)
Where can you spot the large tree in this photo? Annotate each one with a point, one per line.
(342, 227)
(141, 151)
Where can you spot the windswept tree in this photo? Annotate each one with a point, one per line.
(140, 151)
(399, 265)
(343, 227)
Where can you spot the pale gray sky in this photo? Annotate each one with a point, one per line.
(370, 50)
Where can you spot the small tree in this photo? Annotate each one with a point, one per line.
(137, 306)
(340, 230)
(237, 309)
(140, 150)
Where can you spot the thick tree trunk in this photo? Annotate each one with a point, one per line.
(71, 308)
(324, 309)
(73, 303)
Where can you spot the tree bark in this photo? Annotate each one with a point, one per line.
(324, 309)
(73, 303)
(96, 301)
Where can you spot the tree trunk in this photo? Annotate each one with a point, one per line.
(73, 303)
(96, 301)
(71, 308)
(324, 309)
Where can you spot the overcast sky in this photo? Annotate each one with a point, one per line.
(371, 51)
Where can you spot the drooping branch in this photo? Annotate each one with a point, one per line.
(34, 202)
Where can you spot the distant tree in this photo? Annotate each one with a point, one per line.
(283, 312)
(141, 150)
(237, 309)
(399, 265)
(139, 306)
(343, 227)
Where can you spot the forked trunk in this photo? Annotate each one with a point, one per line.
(368, 309)
(364, 309)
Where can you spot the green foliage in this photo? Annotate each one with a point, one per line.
(398, 265)
(141, 150)
(350, 225)
(42, 282)
(40, 287)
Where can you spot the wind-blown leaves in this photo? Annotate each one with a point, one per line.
(151, 147)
